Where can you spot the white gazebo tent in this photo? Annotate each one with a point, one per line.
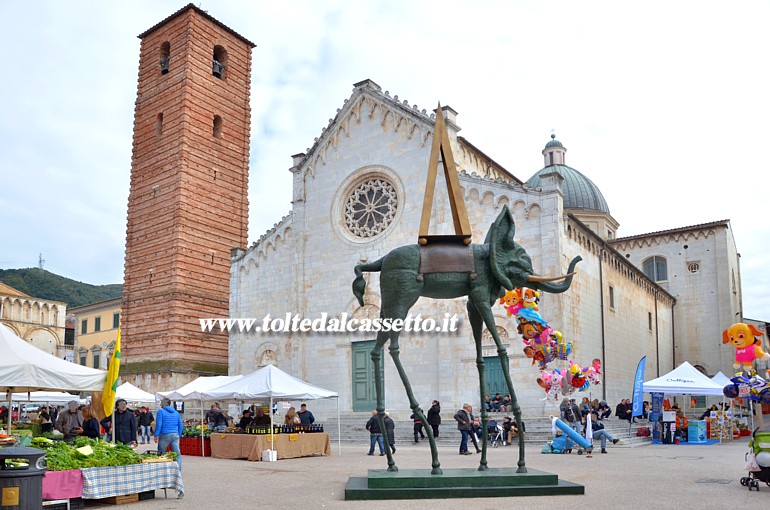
(45, 396)
(684, 380)
(25, 368)
(195, 390)
(721, 379)
(131, 393)
(273, 383)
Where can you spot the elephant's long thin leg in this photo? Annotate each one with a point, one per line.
(382, 337)
(393, 348)
(476, 327)
(413, 404)
(485, 310)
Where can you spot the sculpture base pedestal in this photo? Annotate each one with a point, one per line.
(457, 483)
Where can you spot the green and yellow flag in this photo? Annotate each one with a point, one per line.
(111, 384)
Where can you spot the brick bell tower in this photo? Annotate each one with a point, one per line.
(188, 203)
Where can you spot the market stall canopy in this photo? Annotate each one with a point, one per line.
(45, 396)
(195, 389)
(24, 367)
(684, 379)
(131, 393)
(269, 382)
(721, 379)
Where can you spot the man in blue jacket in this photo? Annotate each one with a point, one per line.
(168, 430)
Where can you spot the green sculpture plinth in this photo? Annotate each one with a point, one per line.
(457, 483)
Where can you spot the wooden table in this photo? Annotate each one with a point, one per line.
(288, 446)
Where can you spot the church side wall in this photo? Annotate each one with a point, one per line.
(261, 283)
(700, 265)
(638, 324)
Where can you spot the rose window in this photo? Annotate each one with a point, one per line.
(370, 208)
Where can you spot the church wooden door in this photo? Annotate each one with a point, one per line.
(364, 393)
(493, 377)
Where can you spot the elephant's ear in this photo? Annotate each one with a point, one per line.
(500, 240)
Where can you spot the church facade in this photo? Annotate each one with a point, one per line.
(358, 193)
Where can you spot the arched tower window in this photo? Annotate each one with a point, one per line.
(159, 125)
(217, 129)
(656, 269)
(219, 65)
(165, 52)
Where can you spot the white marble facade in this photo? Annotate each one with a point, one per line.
(304, 265)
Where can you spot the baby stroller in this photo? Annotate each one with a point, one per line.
(496, 436)
(759, 448)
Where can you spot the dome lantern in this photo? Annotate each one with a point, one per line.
(554, 152)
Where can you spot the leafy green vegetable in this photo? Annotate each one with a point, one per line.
(61, 456)
(195, 431)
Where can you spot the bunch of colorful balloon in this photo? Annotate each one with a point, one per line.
(543, 345)
(751, 387)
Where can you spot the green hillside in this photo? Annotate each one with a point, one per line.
(40, 283)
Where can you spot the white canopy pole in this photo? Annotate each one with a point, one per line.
(203, 448)
(10, 409)
(272, 426)
(339, 429)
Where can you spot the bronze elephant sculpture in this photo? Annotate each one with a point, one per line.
(494, 266)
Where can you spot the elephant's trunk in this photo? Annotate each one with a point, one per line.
(544, 284)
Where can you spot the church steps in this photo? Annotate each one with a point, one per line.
(352, 429)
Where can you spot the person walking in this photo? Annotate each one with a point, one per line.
(375, 434)
(464, 420)
(168, 430)
(434, 417)
(417, 428)
(145, 424)
(476, 432)
(390, 430)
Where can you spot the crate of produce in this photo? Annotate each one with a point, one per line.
(193, 447)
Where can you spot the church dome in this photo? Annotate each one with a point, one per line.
(579, 191)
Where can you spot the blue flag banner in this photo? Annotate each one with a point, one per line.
(656, 407)
(636, 409)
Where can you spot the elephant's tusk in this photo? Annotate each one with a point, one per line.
(533, 278)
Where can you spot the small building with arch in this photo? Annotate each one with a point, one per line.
(39, 321)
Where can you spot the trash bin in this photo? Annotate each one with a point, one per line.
(21, 478)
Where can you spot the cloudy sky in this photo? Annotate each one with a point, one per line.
(662, 104)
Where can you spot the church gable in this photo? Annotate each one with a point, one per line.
(368, 103)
